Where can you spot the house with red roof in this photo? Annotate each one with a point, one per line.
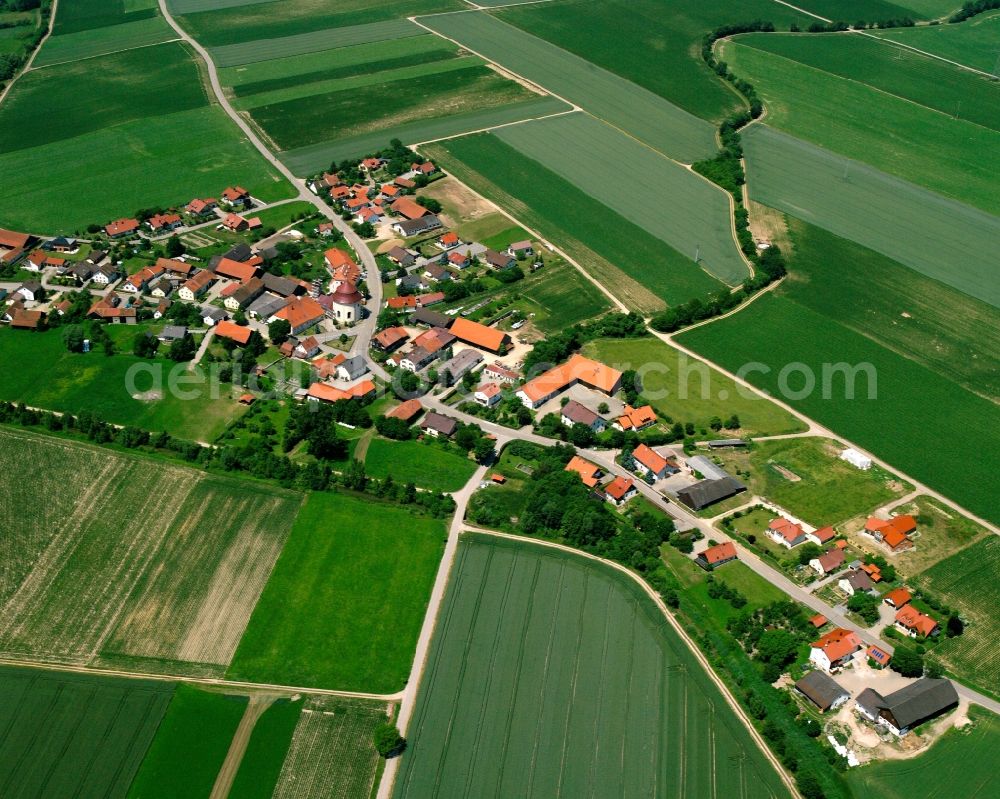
(828, 562)
(620, 490)
(785, 532)
(301, 313)
(199, 207)
(897, 597)
(589, 473)
(235, 223)
(371, 164)
(488, 395)
(323, 392)
(459, 260)
(448, 240)
(648, 462)
(161, 223)
(717, 555)
(878, 655)
(120, 228)
(822, 536)
(835, 649)
(406, 411)
(390, 339)
(426, 168)
(236, 195)
(635, 419)
(894, 533)
(915, 624)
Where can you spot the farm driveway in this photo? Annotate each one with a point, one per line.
(255, 709)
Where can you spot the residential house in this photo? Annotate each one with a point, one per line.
(371, 164)
(635, 419)
(196, 285)
(31, 291)
(161, 288)
(408, 228)
(406, 411)
(577, 369)
(241, 252)
(447, 241)
(109, 309)
(301, 313)
(589, 472)
(61, 244)
(390, 339)
(716, 555)
(893, 533)
(326, 366)
(367, 216)
(915, 624)
(245, 294)
(139, 282)
(234, 223)
(650, 463)
(212, 316)
(897, 598)
(39, 260)
(488, 395)
(163, 223)
(121, 228)
(161, 309)
(574, 412)
(620, 490)
(785, 532)
(336, 259)
(822, 536)
(171, 333)
(436, 272)
(387, 191)
(436, 424)
(878, 655)
(835, 649)
(463, 362)
(401, 303)
(521, 249)
(106, 274)
(481, 336)
(909, 707)
(237, 196)
(828, 562)
(401, 257)
(352, 368)
(854, 581)
(821, 689)
(198, 207)
(426, 168)
(498, 261)
(459, 260)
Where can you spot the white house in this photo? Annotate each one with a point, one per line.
(835, 649)
(488, 395)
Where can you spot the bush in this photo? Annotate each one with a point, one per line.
(388, 741)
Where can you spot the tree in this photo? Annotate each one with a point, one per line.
(603, 408)
(808, 784)
(278, 331)
(182, 349)
(388, 741)
(73, 338)
(865, 605)
(715, 423)
(430, 204)
(955, 626)
(175, 247)
(808, 551)
(484, 450)
(146, 345)
(907, 662)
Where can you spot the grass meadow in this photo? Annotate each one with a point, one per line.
(73, 734)
(969, 581)
(654, 46)
(619, 102)
(642, 270)
(685, 390)
(540, 657)
(940, 238)
(973, 43)
(265, 754)
(912, 400)
(331, 754)
(84, 15)
(99, 41)
(953, 157)
(958, 764)
(563, 298)
(345, 602)
(190, 745)
(426, 465)
(671, 203)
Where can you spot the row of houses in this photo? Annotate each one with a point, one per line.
(232, 197)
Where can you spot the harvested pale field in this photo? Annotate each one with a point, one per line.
(621, 103)
(129, 557)
(332, 756)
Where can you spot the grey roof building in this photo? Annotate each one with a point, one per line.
(266, 306)
(708, 492)
(436, 424)
(822, 690)
(414, 227)
(908, 707)
(705, 467)
(462, 363)
(352, 368)
(574, 412)
(425, 316)
(172, 333)
(282, 286)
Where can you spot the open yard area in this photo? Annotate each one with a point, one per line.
(344, 605)
(73, 734)
(954, 157)
(331, 755)
(643, 270)
(427, 465)
(970, 582)
(943, 239)
(128, 559)
(678, 206)
(910, 398)
(551, 675)
(687, 390)
(959, 764)
(190, 745)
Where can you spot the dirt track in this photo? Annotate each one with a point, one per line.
(255, 709)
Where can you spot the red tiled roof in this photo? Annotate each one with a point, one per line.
(120, 226)
(233, 193)
(719, 553)
(617, 488)
(636, 418)
(649, 458)
(838, 643)
(12, 240)
(404, 206)
(577, 368)
(233, 331)
(236, 270)
(588, 472)
(898, 597)
(406, 410)
(301, 311)
(824, 534)
(328, 393)
(911, 618)
(818, 620)
(488, 338)
(786, 529)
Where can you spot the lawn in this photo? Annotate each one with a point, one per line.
(952, 157)
(98, 41)
(427, 465)
(251, 21)
(345, 602)
(75, 382)
(916, 316)
(332, 755)
(758, 591)
(364, 110)
(99, 93)
(166, 566)
(910, 399)
(532, 689)
(938, 237)
(677, 206)
(902, 73)
(959, 764)
(687, 390)
(654, 46)
(617, 101)
(642, 270)
(969, 581)
(973, 43)
(190, 745)
(73, 734)
(284, 215)
(564, 297)
(265, 754)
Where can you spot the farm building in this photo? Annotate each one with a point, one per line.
(477, 335)
(577, 369)
(414, 227)
(708, 492)
(822, 690)
(407, 411)
(902, 710)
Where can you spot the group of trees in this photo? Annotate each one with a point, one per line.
(772, 635)
(557, 348)
(973, 8)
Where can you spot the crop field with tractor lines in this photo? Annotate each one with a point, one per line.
(175, 578)
(973, 43)
(541, 659)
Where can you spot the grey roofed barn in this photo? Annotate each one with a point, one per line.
(822, 690)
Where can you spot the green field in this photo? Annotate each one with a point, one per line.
(920, 318)
(72, 734)
(943, 239)
(311, 159)
(130, 561)
(426, 465)
(672, 203)
(127, 84)
(83, 15)
(619, 102)
(973, 42)
(344, 605)
(190, 745)
(564, 298)
(654, 45)
(99, 41)
(551, 675)
(364, 110)
(75, 382)
(265, 754)
(642, 270)
(687, 390)
(874, 10)
(959, 764)
(969, 581)
(953, 157)
(332, 755)
(894, 71)
(911, 399)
